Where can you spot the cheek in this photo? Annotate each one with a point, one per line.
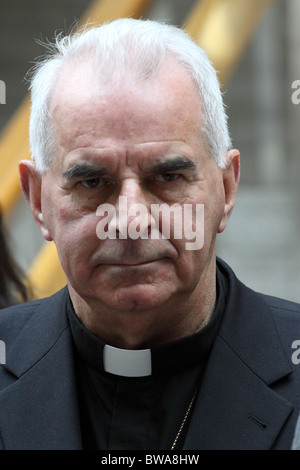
(78, 233)
(74, 234)
(195, 248)
(66, 222)
(213, 212)
(76, 243)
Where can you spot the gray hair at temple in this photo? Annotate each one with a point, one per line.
(127, 46)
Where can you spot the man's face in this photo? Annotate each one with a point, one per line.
(144, 142)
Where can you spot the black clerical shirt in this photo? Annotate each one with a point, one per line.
(141, 413)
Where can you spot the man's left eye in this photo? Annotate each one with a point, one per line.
(92, 183)
(167, 177)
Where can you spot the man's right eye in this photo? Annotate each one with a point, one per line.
(92, 183)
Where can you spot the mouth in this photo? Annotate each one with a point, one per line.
(134, 263)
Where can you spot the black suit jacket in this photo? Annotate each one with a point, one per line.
(249, 398)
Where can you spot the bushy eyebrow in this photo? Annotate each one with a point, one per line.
(84, 171)
(174, 164)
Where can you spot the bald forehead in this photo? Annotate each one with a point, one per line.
(79, 80)
(166, 107)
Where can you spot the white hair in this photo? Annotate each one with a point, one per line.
(141, 46)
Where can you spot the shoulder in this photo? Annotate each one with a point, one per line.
(256, 312)
(286, 315)
(14, 319)
(283, 311)
(279, 305)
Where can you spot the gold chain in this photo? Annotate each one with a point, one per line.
(184, 420)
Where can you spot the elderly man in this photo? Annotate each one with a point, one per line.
(153, 343)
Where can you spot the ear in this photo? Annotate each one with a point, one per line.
(231, 177)
(31, 184)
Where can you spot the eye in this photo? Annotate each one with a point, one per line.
(92, 183)
(167, 177)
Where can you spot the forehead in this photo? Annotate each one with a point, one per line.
(89, 111)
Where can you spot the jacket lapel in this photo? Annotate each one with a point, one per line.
(41, 360)
(237, 407)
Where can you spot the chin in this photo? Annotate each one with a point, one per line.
(136, 298)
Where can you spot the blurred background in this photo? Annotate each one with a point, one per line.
(255, 46)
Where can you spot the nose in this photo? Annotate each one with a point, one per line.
(133, 212)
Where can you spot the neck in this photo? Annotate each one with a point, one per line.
(181, 316)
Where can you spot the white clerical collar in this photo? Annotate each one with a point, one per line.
(127, 362)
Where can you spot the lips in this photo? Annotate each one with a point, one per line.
(133, 253)
(133, 263)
